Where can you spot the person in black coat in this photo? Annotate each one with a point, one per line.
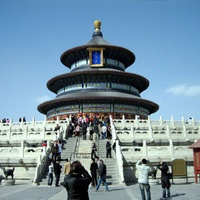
(93, 150)
(84, 130)
(76, 182)
(165, 182)
(93, 170)
(54, 151)
(108, 148)
(57, 170)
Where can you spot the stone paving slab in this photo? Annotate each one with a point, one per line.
(179, 191)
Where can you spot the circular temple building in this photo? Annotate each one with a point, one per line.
(97, 84)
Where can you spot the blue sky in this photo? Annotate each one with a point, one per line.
(163, 34)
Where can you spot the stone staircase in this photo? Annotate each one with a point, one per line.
(83, 154)
(69, 147)
(112, 168)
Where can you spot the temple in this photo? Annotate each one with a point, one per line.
(97, 84)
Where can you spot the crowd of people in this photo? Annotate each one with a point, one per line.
(7, 120)
(96, 127)
(77, 179)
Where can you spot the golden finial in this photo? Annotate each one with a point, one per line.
(97, 25)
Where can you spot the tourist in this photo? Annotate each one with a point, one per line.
(108, 148)
(76, 183)
(57, 170)
(24, 119)
(71, 130)
(109, 134)
(93, 150)
(54, 151)
(57, 128)
(98, 160)
(67, 167)
(59, 149)
(87, 120)
(77, 130)
(103, 131)
(165, 182)
(80, 120)
(91, 130)
(93, 171)
(84, 130)
(50, 174)
(96, 131)
(102, 175)
(114, 147)
(143, 179)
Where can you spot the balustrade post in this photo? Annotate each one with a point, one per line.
(33, 122)
(161, 121)
(183, 121)
(26, 133)
(171, 148)
(172, 122)
(145, 155)
(149, 120)
(10, 122)
(168, 132)
(150, 132)
(22, 148)
(137, 121)
(123, 121)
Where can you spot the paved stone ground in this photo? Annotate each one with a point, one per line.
(22, 191)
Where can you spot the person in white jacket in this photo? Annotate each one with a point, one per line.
(143, 179)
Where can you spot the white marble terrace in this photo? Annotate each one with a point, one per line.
(156, 140)
(21, 145)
